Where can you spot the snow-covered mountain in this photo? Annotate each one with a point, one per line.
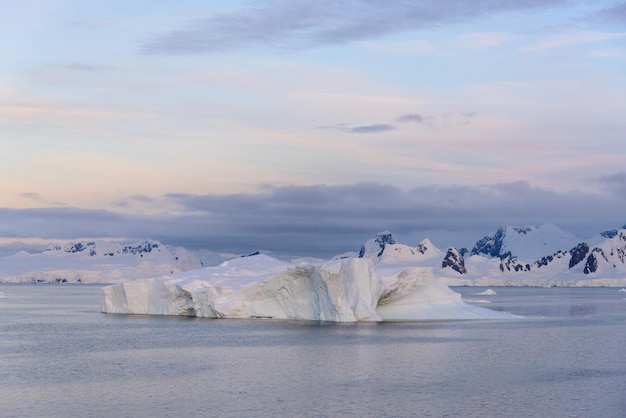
(96, 262)
(512, 256)
(527, 243)
(515, 256)
(375, 246)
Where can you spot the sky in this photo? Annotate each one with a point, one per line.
(306, 127)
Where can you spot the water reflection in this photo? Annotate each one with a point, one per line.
(60, 357)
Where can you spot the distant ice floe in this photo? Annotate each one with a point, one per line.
(2, 295)
(622, 290)
(478, 301)
(488, 292)
(347, 290)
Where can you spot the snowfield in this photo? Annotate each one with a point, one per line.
(96, 262)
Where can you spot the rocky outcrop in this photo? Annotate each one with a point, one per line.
(578, 254)
(377, 245)
(454, 260)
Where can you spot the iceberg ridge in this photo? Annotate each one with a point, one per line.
(262, 287)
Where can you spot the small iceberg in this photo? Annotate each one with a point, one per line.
(622, 290)
(488, 292)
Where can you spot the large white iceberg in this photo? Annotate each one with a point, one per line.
(348, 290)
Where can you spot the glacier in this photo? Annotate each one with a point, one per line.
(347, 290)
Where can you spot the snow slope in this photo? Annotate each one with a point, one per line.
(96, 262)
(527, 242)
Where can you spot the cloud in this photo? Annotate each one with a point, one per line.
(372, 129)
(141, 198)
(362, 129)
(32, 196)
(411, 117)
(84, 67)
(413, 47)
(415, 118)
(615, 183)
(301, 24)
(484, 40)
(573, 39)
(445, 119)
(326, 220)
(613, 14)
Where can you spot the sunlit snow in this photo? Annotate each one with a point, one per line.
(261, 287)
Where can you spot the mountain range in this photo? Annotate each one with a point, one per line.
(97, 262)
(524, 255)
(515, 256)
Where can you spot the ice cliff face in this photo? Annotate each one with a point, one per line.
(261, 287)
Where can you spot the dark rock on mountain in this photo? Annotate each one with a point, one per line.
(422, 247)
(591, 266)
(143, 247)
(544, 261)
(490, 246)
(611, 232)
(78, 247)
(454, 260)
(578, 254)
(377, 244)
(511, 263)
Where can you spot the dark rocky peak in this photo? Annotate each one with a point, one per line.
(140, 248)
(591, 266)
(611, 233)
(454, 260)
(422, 247)
(490, 245)
(378, 244)
(79, 247)
(511, 263)
(522, 230)
(578, 254)
(384, 238)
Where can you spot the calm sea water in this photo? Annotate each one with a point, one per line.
(61, 357)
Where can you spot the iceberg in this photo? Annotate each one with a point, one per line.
(348, 290)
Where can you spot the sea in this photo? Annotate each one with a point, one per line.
(565, 356)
